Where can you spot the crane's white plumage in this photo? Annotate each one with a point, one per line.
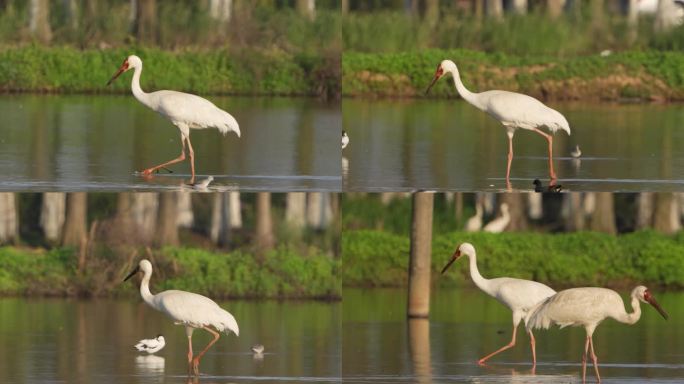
(186, 111)
(513, 110)
(500, 223)
(519, 295)
(588, 307)
(151, 345)
(188, 309)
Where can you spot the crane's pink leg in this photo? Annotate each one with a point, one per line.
(594, 359)
(196, 360)
(510, 158)
(505, 347)
(149, 171)
(192, 162)
(584, 360)
(549, 138)
(190, 353)
(533, 344)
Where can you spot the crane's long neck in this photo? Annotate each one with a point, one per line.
(480, 281)
(135, 87)
(145, 290)
(631, 318)
(468, 96)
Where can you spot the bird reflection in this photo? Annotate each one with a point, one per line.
(419, 347)
(345, 167)
(150, 364)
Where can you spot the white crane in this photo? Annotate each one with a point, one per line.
(588, 307)
(500, 223)
(513, 110)
(151, 345)
(188, 309)
(185, 111)
(474, 223)
(345, 139)
(517, 294)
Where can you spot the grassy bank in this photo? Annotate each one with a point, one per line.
(239, 72)
(644, 75)
(281, 274)
(375, 258)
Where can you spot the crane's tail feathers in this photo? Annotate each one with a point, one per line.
(227, 322)
(228, 123)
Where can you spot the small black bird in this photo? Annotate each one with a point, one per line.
(538, 187)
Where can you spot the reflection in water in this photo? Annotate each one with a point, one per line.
(419, 346)
(150, 364)
(447, 144)
(85, 142)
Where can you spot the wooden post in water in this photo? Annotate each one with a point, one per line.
(421, 249)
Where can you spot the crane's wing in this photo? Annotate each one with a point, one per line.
(574, 306)
(195, 310)
(523, 111)
(521, 294)
(194, 111)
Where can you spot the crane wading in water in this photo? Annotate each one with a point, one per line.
(517, 294)
(588, 307)
(185, 111)
(513, 110)
(189, 309)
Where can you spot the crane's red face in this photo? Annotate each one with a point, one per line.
(454, 257)
(438, 74)
(651, 300)
(123, 68)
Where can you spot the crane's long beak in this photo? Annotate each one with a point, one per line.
(651, 300)
(434, 80)
(455, 256)
(117, 74)
(133, 272)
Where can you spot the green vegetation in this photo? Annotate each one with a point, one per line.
(374, 258)
(648, 75)
(252, 72)
(281, 273)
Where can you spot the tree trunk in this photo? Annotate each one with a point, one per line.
(519, 6)
(431, 12)
(39, 20)
(516, 208)
(295, 209)
(307, 8)
(145, 24)
(666, 213)
(603, 218)
(75, 225)
(494, 8)
(185, 215)
(632, 20)
(235, 210)
(535, 207)
(220, 9)
(167, 219)
(345, 7)
(220, 219)
(644, 217)
(574, 220)
(9, 218)
(71, 13)
(458, 207)
(145, 210)
(264, 224)
(318, 210)
(52, 214)
(420, 257)
(666, 16)
(554, 8)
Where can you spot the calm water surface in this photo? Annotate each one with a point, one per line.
(380, 345)
(450, 145)
(81, 143)
(74, 341)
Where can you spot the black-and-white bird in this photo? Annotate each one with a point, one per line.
(345, 139)
(576, 153)
(151, 345)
